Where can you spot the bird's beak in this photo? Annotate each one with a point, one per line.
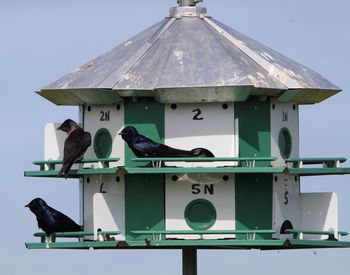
(59, 128)
(120, 133)
(28, 205)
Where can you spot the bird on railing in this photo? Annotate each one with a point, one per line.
(51, 220)
(144, 147)
(75, 145)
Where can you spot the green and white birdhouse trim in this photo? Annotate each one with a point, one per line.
(232, 96)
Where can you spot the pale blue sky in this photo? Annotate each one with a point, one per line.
(41, 40)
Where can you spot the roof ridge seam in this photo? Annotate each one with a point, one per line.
(126, 67)
(260, 62)
(165, 63)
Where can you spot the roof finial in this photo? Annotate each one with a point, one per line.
(188, 3)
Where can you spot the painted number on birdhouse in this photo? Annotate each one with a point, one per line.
(285, 194)
(286, 197)
(105, 115)
(197, 114)
(206, 189)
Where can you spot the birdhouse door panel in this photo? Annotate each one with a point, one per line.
(205, 125)
(112, 185)
(286, 203)
(54, 142)
(319, 211)
(109, 214)
(284, 131)
(200, 202)
(104, 122)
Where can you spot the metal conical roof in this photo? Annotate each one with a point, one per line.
(189, 57)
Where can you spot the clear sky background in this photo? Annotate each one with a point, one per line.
(41, 40)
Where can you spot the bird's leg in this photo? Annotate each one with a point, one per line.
(50, 238)
(155, 164)
(150, 164)
(78, 161)
(47, 238)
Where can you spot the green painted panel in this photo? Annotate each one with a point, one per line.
(74, 173)
(206, 232)
(225, 244)
(254, 202)
(218, 244)
(204, 170)
(254, 191)
(144, 194)
(254, 129)
(144, 204)
(147, 116)
(72, 245)
(318, 171)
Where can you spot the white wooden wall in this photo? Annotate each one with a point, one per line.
(110, 118)
(319, 211)
(206, 125)
(286, 202)
(54, 143)
(99, 210)
(178, 194)
(105, 211)
(284, 115)
(109, 213)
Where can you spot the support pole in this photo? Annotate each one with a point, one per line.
(189, 261)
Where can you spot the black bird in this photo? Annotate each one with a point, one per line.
(51, 220)
(75, 144)
(144, 147)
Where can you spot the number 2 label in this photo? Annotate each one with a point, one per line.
(197, 112)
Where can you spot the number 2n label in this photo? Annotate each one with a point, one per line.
(105, 116)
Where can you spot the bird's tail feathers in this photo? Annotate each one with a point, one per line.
(65, 170)
(202, 153)
(196, 152)
(60, 173)
(178, 153)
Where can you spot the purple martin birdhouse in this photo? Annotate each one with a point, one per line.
(194, 133)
